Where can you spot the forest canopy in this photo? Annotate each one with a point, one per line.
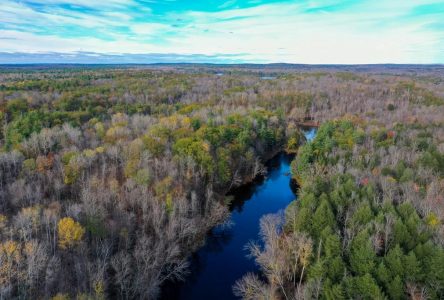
(111, 177)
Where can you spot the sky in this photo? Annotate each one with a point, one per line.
(226, 31)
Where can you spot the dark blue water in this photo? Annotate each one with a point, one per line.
(223, 259)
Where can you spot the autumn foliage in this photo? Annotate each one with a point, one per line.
(70, 233)
(110, 177)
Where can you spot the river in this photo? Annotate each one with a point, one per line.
(223, 259)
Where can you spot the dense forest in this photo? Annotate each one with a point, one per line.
(111, 176)
(368, 220)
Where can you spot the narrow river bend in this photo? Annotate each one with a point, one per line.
(223, 259)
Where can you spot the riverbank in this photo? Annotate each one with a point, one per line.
(222, 260)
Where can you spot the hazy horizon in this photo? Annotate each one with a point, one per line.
(60, 59)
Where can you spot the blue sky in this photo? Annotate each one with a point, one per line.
(258, 31)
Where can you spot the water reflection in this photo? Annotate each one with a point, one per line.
(310, 134)
(222, 260)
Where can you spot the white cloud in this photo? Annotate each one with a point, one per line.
(108, 4)
(15, 41)
(22, 15)
(144, 29)
(368, 32)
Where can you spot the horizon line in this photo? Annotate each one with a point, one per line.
(151, 58)
(213, 64)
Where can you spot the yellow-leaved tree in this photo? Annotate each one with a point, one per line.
(70, 233)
